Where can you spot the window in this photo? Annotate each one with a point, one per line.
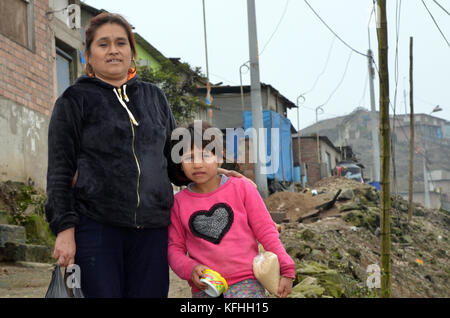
(63, 70)
(17, 22)
(66, 57)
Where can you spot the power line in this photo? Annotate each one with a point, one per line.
(276, 28)
(435, 23)
(341, 81)
(441, 7)
(323, 70)
(345, 43)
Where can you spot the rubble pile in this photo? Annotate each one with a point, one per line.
(333, 252)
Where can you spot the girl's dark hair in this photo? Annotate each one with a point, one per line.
(101, 19)
(196, 134)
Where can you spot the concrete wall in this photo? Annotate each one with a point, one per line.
(229, 114)
(23, 140)
(334, 157)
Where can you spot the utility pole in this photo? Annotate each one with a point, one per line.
(299, 140)
(375, 143)
(317, 135)
(385, 150)
(257, 118)
(208, 85)
(425, 180)
(411, 131)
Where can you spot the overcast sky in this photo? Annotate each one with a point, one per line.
(298, 54)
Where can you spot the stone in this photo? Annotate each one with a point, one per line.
(349, 206)
(309, 287)
(278, 216)
(38, 231)
(329, 279)
(307, 235)
(13, 252)
(11, 233)
(407, 239)
(354, 252)
(31, 208)
(372, 194)
(4, 217)
(346, 194)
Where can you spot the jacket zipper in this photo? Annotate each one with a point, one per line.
(138, 178)
(132, 123)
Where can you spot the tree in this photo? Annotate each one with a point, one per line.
(411, 125)
(179, 83)
(385, 152)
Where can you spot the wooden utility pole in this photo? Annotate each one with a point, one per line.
(385, 150)
(411, 132)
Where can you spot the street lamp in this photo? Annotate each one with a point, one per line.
(317, 132)
(242, 89)
(436, 109)
(298, 136)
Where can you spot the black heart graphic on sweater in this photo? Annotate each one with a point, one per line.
(212, 225)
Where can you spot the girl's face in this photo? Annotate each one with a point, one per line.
(110, 55)
(199, 165)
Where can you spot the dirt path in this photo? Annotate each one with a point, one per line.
(30, 280)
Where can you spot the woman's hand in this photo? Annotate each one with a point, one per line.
(65, 247)
(285, 287)
(232, 173)
(197, 275)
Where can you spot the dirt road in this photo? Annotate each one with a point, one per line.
(31, 280)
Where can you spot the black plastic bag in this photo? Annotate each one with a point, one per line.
(58, 288)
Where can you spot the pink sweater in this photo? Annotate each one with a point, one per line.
(220, 229)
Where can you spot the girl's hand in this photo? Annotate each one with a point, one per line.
(197, 275)
(65, 247)
(232, 173)
(285, 287)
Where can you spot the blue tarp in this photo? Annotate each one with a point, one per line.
(280, 167)
(297, 176)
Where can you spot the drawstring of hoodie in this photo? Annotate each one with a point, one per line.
(121, 101)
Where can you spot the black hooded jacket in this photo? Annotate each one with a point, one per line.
(118, 141)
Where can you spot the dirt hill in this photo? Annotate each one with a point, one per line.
(334, 248)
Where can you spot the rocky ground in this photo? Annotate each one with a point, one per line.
(332, 248)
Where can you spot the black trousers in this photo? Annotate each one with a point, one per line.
(120, 262)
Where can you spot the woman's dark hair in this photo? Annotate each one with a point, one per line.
(101, 19)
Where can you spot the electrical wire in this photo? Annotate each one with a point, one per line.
(324, 68)
(331, 30)
(436, 24)
(441, 7)
(276, 28)
(341, 81)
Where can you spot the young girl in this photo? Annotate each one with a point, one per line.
(216, 222)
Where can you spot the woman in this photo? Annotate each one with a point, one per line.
(112, 131)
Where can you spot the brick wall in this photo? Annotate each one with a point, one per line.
(308, 149)
(27, 95)
(26, 76)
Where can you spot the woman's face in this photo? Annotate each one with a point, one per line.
(110, 55)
